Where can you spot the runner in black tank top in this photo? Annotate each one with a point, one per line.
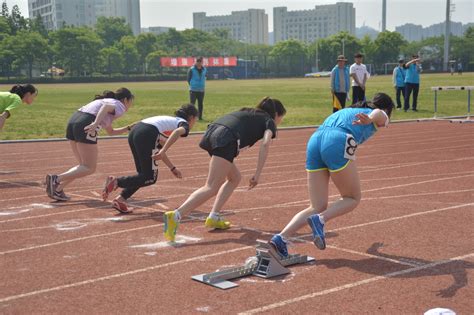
(223, 140)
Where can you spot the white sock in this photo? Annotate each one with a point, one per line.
(321, 219)
(177, 216)
(214, 216)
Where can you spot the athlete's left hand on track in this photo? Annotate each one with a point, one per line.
(364, 119)
(177, 173)
(253, 182)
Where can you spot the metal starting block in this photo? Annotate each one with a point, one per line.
(266, 264)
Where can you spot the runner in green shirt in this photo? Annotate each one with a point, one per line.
(10, 100)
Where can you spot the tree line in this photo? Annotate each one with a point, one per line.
(111, 49)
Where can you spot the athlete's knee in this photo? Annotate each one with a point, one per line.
(235, 178)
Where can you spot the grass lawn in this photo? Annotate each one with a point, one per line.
(308, 101)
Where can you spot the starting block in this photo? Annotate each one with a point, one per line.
(266, 264)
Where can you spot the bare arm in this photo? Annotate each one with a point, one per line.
(377, 116)
(104, 110)
(170, 165)
(411, 61)
(3, 117)
(262, 157)
(178, 132)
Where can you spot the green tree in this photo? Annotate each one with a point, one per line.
(128, 49)
(7, 57)
(153, 61)
(76, 49)
(332, 46)
(5, 29)
(145, 44)
(111, 60)
(289, 56)
(37, 25)
(387, 47)
(112, 29)
(30, 49)
(17, 21)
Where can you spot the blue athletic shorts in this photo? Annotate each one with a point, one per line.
(330, 149)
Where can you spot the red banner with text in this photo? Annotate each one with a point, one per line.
(206, 61)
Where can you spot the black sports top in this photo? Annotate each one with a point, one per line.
(248, 125)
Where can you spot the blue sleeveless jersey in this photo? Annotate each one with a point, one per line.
(343, 119)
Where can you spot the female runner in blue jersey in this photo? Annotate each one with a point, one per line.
(330, 153)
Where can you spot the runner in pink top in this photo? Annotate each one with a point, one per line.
(82, 131)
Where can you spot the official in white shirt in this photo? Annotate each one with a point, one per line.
(359, 74)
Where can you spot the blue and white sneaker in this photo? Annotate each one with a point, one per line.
(318, 231)
(280, 245)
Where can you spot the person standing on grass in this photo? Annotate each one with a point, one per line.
(197, 84)
(330, 154)
(460, 68)
(359, 74)
(399, 74)
(412, 82)
(339, 84)
(223, 140)
(82, 130)
(10, 100)
(145, 139)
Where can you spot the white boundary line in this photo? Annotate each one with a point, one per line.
(118, 275)
(354, 284)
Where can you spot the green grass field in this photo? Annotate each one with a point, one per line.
(308, 101)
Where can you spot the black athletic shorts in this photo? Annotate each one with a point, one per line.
(220, 141)
(75, 128)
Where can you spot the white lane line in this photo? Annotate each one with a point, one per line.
(119, 275)
(354, 284)
(471, 204)
(161, 224)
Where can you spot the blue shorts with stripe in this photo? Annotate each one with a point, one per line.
(329, 149)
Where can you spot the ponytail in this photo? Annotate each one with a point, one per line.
(271, 106)
(187, 111)
(120, 94)
(21, 90)
(380, 100)
(105, 94)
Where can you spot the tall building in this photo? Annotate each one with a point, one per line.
(250, 26)
(129, 9)
(410, 32)
(309, 25)
(157, 30)
(57, 13)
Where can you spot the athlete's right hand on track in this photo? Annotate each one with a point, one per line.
(253, 182)
(177, 173)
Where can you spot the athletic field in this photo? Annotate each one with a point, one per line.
(407, 248)
(308, 101)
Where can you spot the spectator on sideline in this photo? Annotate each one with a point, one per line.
(399, 74)
(359, 76)
(460, 67)
(412, 82)
(339, 84)
(197, 84)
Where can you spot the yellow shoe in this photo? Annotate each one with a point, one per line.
(170, 225)
(217, 224)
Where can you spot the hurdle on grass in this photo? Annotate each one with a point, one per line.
(453, 88)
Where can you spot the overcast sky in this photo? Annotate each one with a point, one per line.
(179, 13)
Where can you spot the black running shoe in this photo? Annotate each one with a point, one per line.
(60, 196)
